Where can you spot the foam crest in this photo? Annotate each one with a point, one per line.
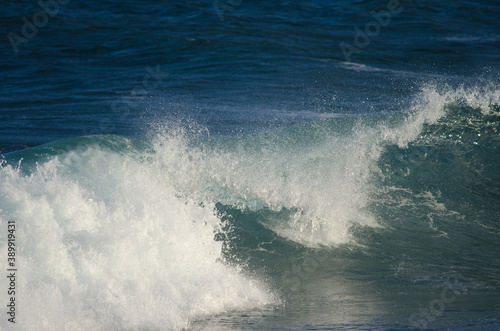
(321, 181)
(432, 103)
(317, 174)
(103, 244)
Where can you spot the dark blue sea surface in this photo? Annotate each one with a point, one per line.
(251, 165)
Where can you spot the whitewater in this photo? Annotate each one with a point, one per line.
(124, 233)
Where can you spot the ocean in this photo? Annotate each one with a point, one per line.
(250, 165)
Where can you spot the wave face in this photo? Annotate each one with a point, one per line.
(157, 234)
(314, 181)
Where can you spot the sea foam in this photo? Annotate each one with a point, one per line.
(103, 244)
(113, 236)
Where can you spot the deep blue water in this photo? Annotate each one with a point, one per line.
(252, 165)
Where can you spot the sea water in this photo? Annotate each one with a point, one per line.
(254, 165)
